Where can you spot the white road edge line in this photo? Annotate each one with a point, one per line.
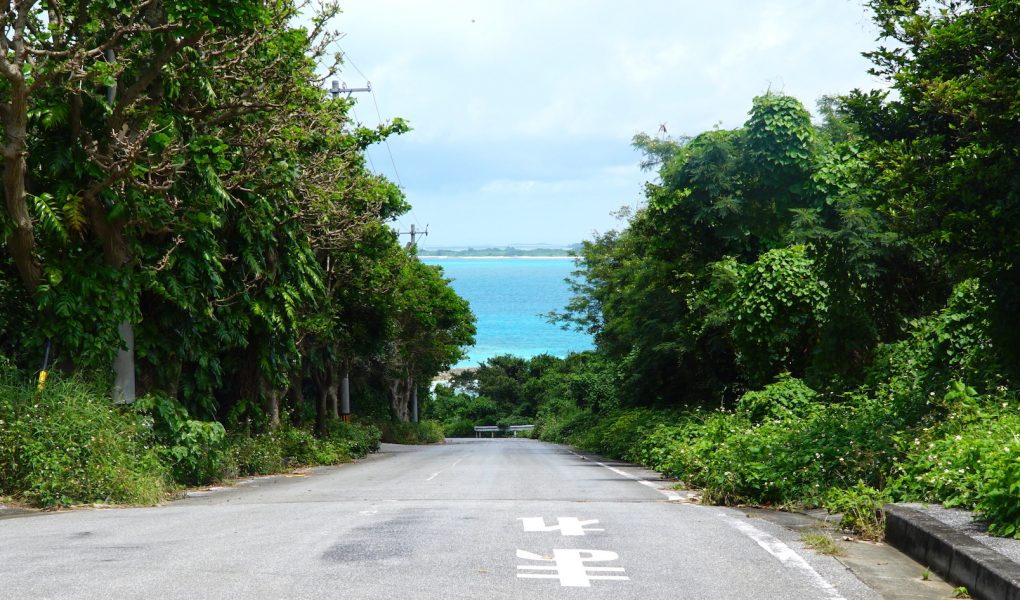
(433, 476)
(669, 494)
(786, 555)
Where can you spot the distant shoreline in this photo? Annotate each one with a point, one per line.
(445, 257)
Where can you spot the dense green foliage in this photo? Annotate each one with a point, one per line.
(175, 175)
(509, 390)
(68, 445)
(824, 313)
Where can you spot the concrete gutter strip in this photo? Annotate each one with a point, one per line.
(959, 558)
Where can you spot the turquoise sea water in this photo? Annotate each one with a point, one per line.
(509, 297)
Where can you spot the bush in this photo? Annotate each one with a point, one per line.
(361, 438)
(971, 461)
(195, 450)
(861, 508)
(459, 428)
(69, 445)
(562, 421)
(289, 446)
(260, 454)
(786, 398)
(423, 432)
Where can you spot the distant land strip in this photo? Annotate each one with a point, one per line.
(499, 253)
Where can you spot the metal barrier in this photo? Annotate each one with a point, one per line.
(492, 429)
(480, 429)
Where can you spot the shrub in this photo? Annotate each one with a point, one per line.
(971, 461)
(196, 450)
(299, 447)
(780, 303)
(69, 445)
(1000, 501)
(290, 446)
(861, 508)
(260, 454)
(563, 422)
(459, 428)
(360, 438)
(786, 398)
(423, 432)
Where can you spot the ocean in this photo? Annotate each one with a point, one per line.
(509, 297)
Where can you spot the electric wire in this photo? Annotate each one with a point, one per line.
(378, 113)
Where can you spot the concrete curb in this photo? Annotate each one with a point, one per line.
(957, 557)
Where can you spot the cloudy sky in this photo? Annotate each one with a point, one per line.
(523, 110)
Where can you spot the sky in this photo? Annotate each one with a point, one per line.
(523, 111)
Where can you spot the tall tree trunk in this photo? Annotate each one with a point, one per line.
(254, 387)
(400, 397)
(21, 240)
(271, 403)
(325, 405)
(295, 391)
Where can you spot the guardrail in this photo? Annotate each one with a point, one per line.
(493, 429)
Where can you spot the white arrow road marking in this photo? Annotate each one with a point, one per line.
(565, 525)
(570, 568)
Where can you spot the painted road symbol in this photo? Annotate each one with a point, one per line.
(565, 525)
(570, 567)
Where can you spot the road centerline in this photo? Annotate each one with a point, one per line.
(434, 475)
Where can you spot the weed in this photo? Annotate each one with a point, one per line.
(861, 507)
(68, 445)
(821, 542)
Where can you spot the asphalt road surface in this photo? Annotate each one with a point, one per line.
(468, 519)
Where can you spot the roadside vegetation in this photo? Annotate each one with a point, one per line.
(181, 191)
(813, 313)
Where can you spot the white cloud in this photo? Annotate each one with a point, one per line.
(526, 85)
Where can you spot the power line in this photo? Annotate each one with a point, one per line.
(378, 114)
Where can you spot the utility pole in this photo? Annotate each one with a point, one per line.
(124, 362)
(414, 235)
(345, 384)
(345, 393)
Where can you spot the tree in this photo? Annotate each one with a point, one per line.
(945, 145)
(432, 324)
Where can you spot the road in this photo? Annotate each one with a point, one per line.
(467, 519)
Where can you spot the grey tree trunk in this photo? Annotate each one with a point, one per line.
(400, 398)
(271, 404)
(333, 390)
(21, 239)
